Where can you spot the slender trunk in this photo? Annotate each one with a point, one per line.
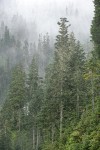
(19, 127)
(5, 130)
(61, 109)
(92, 84)
(86, 102)
(53, 132)
(33, 139)
(77, 102)
(37, 140)
(61, 119)
(19, 120)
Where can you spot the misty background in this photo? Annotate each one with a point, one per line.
(41, 16)
(26, 24)
(49, 74)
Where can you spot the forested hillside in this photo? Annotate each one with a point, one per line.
(50, 94)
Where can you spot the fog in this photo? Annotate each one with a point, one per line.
(21, 22)
(45, 14)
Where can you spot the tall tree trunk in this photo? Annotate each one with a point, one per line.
(53, 132)
(77, 102)
(61, 119)
(92, 84)
(5, 130)
(37, 140)
(77, 90)
(19, 121)
(19, 127)
(33, 139)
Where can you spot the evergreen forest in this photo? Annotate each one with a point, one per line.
(50, 89)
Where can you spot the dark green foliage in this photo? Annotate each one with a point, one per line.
(45, 53)
(95, 29)
(53, 102)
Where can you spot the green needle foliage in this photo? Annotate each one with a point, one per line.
(95, 29)
(52, 103)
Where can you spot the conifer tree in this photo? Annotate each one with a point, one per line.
(7, 36)
(12, 110)
(77, 69)
(95, 28)
(16, 97)
(60, 61)
(35, 100)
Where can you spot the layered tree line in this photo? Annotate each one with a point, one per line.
(54, 103)
(14, 50)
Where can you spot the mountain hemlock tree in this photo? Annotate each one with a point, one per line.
(61, 57)
(95, 29)
(79, 60)
(32, 89)
(13, 107)
(35, 101)
(16, 95)
(49, 109)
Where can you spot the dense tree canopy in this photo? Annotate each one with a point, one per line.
(95, 30)
(50, 94)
